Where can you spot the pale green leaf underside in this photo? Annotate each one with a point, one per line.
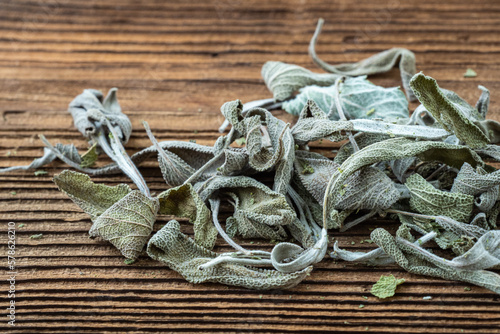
(128, 223)
(360, 99)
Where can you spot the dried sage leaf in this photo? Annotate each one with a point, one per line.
(378, 63)
(259, 212)
(446, 112)
(184, 202)
(69, 151)
(319, 170)
(276, 150)
(470, 182)
(288, 258)
(89, 158)
(92, 198)
(360, 99)
(285, 79)
(128, 223)
(183, 255)
(368, 188)
(82, 109)
(431, 201)
(415, 260)
(386, 286)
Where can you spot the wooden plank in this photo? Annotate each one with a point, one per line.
(175, 64)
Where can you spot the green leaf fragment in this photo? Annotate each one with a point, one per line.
(240, 141)
(36, 236)
(470, 73)
(40, 172)
(386, 286)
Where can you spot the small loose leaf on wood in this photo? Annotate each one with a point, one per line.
(386, 286)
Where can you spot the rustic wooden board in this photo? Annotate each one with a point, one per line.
(175, 63)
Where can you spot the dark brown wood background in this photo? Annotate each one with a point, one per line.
(175, 63)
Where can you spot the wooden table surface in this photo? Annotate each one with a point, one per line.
(175, 64)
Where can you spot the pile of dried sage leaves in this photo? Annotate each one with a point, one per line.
(425, 170)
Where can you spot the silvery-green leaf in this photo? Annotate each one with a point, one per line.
(313, 124)
(471, 182)
(259, 212)
(398, 130)
(81, 110)
(314, 170)
(376, 257)
(184, 202)
(128, 223)
(483, 103)
(486, 201)
(415, 260)
(400, 166)
(235, 162)
(183, 255)
(360, 99)
(285, 79)
(483, 255)
(93, 198)
(398, 148)
(288, 258)
(362, 140)
(490, 151)
(275, 151)
(463, 106)
(378, 63)
(491, 129)
(48, 156)
(367, 188)
(431, 201)
(459, 228)
(493, 215)
(447, 112)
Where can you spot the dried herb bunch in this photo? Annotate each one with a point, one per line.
(425, 170)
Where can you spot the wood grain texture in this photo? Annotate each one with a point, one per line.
(175, 63)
